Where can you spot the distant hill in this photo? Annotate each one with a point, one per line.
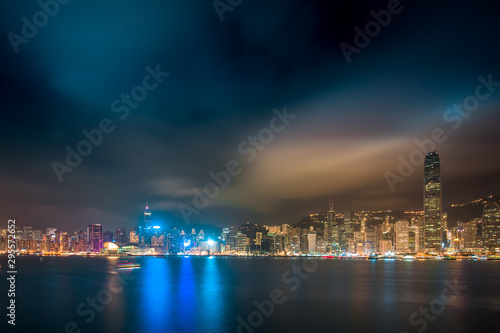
(308, 222)
(251, 229)
(468, 211)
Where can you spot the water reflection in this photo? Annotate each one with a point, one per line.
(211, 300)
(111, 286)
(156, 294)
(186, 295)
(178, 294)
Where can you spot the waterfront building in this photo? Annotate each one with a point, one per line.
(311, 242)
(242, 243)
(268, 244)
(27, 233)
(120, 235)
(413, 238)
(107, 236)
(421, 233)
(303, 239)
(321, 245)
(134, 237)
(295, 239)
(94, 232)
(371, 236)
(491, 225)
(65, 241)
(3, 239)
(386, 246)
(458, 237)
(258, 238)
(402, 231)
(470, 235)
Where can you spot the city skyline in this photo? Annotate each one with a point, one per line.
(323, 233)
(146, 218)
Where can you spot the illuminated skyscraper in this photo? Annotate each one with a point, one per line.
(120, 235)
(471, 234)
(147, 217)
(432, 203)
(330, 222)
(27, 233)
(107, 236)
(311, 242)
(94, 235)
(51, 232)
(145, 229)
(413, 239)
(134, 238)
(402, 231)
(295, 239)
(242, 243)
(491, 225)
(332, 230)
(258, 238)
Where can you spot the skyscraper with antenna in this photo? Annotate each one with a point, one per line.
(148, 222)
(432, 203)
(331, 227)
(146, 228)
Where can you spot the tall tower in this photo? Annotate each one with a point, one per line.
(147, 217)
(330, 226)
(432, 203)
(145, 230)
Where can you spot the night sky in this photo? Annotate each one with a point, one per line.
(352, 120)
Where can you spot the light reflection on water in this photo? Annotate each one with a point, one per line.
(189, 301)
(155, 293)
(211, 295)
(200, 294)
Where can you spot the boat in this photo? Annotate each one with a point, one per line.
(128, 265)
(373, 257)
(389, 256)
